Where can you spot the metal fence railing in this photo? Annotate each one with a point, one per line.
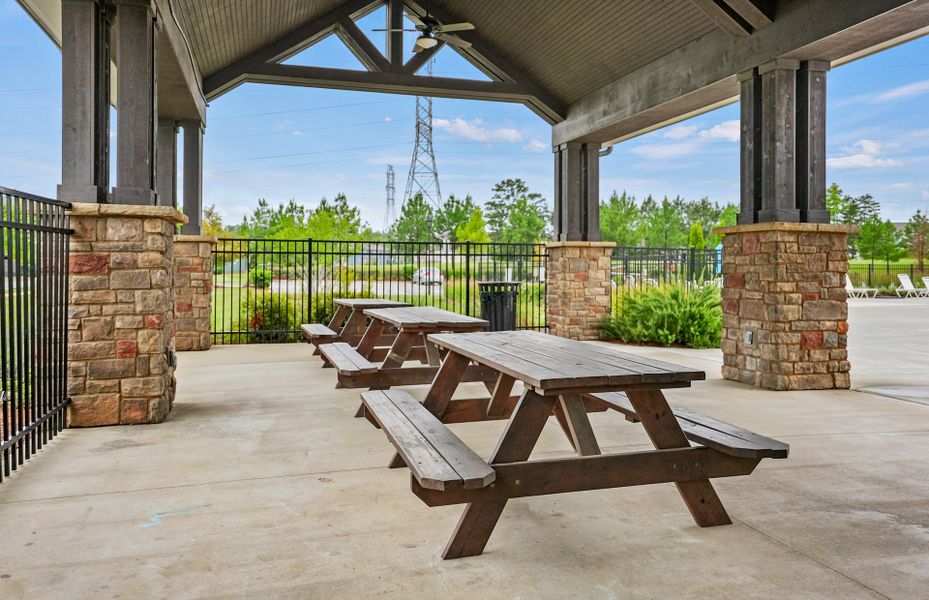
(263, 290)
(884, 275)
(640, 266)
(33, 324)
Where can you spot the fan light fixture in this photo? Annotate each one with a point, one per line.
(425, 42)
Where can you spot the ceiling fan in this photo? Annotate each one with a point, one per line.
(431, 31)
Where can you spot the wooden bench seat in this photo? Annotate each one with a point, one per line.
(346, 359)
(707, 431)
(316, 331)
(437, 458)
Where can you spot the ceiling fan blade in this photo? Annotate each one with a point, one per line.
(455, 27)
(453, 40)
(416, 20)
(417, 49)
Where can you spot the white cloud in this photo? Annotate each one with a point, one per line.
(475, 130)
(901, 186)
(387, 119)
(863, 154)
(296, 133)
(659, 151)
(681, 131)
(909, 90)
(727, 130)
(925, 194)
(535, 146)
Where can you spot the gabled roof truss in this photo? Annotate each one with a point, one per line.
(390, 73)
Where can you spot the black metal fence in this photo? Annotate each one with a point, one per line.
(33, 324)
(639, 266)
(884, 275)
(264, 289)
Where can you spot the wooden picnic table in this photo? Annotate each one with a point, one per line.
(559, 377)
(347, 324)
(357, 366)
(349, 318)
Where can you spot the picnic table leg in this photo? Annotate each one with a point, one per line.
(665, 432)
(563, 422)
(499, 395)
(370, 338)
(432, 353)
(440, 393)
(519, 438)
(354, 325)
(338, 319)
(399, 350)
(579, 430)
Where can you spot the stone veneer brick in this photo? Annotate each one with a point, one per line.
(193, 287)
(578, 288)
(121, 314)
(785, 284)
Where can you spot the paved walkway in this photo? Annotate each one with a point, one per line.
(262, 484)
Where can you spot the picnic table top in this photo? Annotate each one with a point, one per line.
(357, 303)
(424, 316)
(549, 363)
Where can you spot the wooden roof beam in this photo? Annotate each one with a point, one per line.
(385, 74)
(725, 17)
(387, 82)
(283, 48)
(702, 74)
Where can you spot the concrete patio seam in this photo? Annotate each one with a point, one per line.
(812, 558)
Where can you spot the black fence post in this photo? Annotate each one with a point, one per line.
(693, 263)
(468, 277)
(870, 275)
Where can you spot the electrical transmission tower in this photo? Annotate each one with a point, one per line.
(424, 176)
(391, 215)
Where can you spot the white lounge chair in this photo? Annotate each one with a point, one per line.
(858, 292)
(908, 290)
(926, 281)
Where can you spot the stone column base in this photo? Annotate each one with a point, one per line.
(121, 314)
(785, 306)
(578, 288)
(193, 290)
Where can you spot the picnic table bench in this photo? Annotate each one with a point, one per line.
(368, 366)
(347, 324)
(569, 378)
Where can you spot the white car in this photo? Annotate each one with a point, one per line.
(428, 276)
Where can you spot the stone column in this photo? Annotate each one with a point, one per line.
(85, 95)
(136, 108)
(577, 192)
(193, 288)
(121, 314)
(578, 288)
(784, 305)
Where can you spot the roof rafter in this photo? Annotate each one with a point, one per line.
(385, 73)
(738, 18)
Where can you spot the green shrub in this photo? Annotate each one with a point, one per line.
(260, 277)
(666, 315)
(271, 318)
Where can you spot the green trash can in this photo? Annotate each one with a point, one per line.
(498, 304)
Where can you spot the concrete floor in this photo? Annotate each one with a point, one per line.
(261, 484)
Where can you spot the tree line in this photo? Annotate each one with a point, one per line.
(515, 214)
(878, 239)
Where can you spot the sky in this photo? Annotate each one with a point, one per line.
(278, 142)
